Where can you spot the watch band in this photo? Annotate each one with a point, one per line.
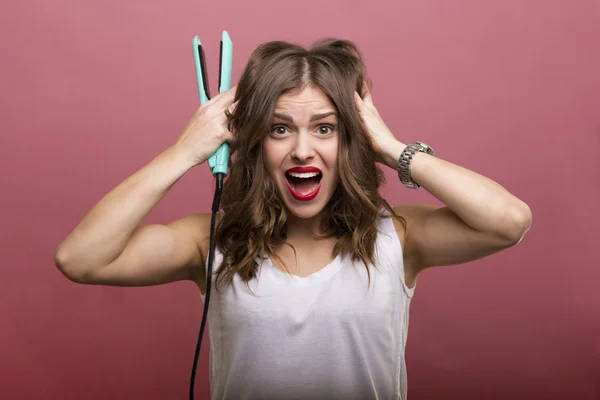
(405, 160)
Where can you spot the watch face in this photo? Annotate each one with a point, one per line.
(426, 148)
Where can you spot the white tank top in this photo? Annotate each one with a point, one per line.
(319, 337)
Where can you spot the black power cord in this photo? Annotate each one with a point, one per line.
(211, 254)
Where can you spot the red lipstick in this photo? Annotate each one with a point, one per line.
(304, 169)
(304, 196)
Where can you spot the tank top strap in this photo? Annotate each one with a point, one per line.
(388, 243)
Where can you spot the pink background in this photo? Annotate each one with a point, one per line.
(91, 91)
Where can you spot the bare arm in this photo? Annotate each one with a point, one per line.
(108, 246)
(102, 236)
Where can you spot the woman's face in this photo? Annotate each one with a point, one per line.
(303, 136)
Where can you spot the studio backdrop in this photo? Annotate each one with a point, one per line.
(91, 91)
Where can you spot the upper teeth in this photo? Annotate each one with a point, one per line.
(303, 174)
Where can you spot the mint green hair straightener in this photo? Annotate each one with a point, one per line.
(217, 162)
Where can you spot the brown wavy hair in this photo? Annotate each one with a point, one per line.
(254, 217)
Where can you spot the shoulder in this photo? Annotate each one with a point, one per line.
(412, 215)
(197, 228)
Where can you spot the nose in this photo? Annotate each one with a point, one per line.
(303, 148)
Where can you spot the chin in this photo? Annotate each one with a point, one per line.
(303, 211)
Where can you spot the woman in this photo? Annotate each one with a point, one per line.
(314, 269)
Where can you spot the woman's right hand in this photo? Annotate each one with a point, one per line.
(208, 128)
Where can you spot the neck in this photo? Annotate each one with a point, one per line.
(304, 229)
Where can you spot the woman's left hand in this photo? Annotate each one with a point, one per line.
(382, 138)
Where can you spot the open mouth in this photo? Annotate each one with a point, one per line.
(303, 183)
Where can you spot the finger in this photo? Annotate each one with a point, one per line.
(224, 97)
(363, 88)
(229, 93)
(359, 102)
(232, 91)
(231, 110)
(231, 139)
(216, 107)
(233, 107)
(367, 96)
(233, 147)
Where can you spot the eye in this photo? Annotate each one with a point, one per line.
(325, 129)
(279, 129)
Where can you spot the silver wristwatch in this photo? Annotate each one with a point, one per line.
(405, 160)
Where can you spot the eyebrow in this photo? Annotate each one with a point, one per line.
(313, 117)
